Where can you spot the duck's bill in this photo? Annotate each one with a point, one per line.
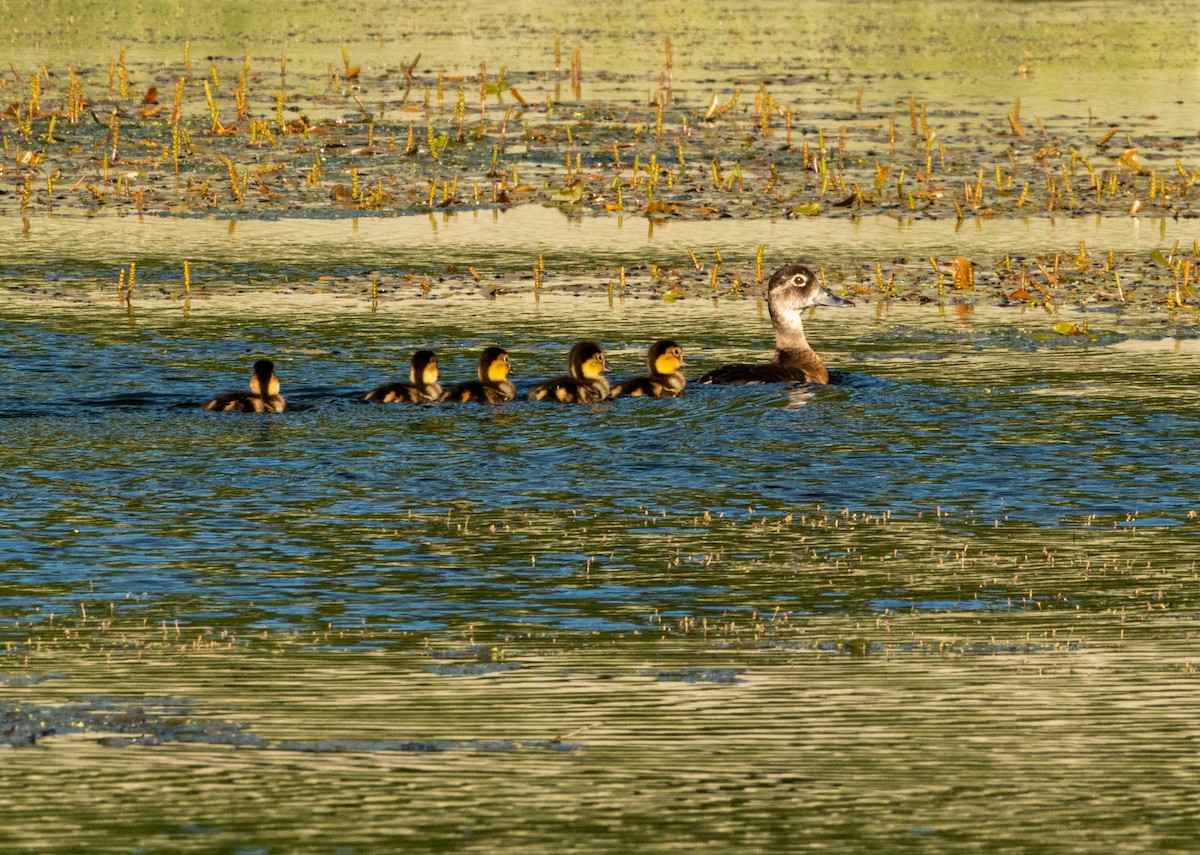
(828, 298)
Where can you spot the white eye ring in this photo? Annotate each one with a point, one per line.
(799, 279)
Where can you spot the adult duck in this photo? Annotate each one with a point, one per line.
(792, 289)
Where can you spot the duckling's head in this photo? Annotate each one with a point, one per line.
(424, 370)
(794, 287)
(263, 382)
(664, 357)
(586, 360)
(494, 366)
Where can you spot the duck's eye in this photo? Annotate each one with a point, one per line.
(798, 279)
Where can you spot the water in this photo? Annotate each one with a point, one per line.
(1124, 61)
(948, 602)
(228, 254)
(962, 577)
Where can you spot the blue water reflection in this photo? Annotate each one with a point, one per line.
(114, 483)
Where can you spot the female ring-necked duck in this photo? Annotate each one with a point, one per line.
(493, 385)
(585, 384)
(422, 387)
(263, 396)
(792, 289)
(665, 380)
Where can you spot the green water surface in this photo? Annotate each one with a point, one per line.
(948, 603)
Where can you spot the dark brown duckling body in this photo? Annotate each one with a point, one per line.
(263, 396)
(665, 380)
(422, 388)
(584, 384)
(493, 385)
(792, 289)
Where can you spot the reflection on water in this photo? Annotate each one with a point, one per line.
(947, 603)
(251, 251)
(930, 50)
(861, 616)
(426, 518)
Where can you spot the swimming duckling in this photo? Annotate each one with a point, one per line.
(585, 384)
(263, 396)
(422, 387)
(792, 289)
(665, 380)
(493, 386)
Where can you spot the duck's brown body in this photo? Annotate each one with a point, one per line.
(792, 289)
(263, 396)
(784, 368)
(480, 392)
(568, 390)
(405, 393)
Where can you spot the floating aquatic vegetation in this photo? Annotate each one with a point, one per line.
(724, 676)
(364, 746)
(30, 680)
(118, 725)
(85, 141)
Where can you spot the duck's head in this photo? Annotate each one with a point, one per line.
(795, 287)
(263, 382)
(494, 366)
(665, 357)
(424, 370)
(586, 360)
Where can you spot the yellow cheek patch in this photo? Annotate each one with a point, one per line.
(668, 363)
(430, 375)
(497, 371)
(593, 368)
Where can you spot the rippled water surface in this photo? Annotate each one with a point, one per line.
(61, 249)
(947, 603)
(959, 582)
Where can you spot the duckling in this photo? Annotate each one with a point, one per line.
(422, 387)
(263, 396)
(493, 385)
(585, 384)
(792, 289)
(665, 380)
